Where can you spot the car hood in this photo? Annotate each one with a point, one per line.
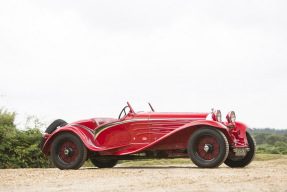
(166, 115)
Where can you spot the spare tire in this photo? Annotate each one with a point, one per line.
(52, 127)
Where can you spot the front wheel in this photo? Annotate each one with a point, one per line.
(208, 148)
(233, 161)
(104, 163)
(68, 151)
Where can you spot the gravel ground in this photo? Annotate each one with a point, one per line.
(258, 176)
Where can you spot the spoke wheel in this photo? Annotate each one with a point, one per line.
(68, 151)
(208, 148)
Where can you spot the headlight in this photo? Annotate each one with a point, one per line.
(216, 116)
(230, 117)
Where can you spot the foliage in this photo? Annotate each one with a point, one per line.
(270, 141)
(19, 148)
(269, 130)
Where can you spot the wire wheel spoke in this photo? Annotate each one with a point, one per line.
(207, 147)
(68, 151)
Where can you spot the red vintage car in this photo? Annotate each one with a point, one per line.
(202, 137)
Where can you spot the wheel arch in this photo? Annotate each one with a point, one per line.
(194, 126)
(86, 136)
(242, 126)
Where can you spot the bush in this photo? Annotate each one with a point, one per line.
(260, 138)
(271, 143)
(281, 146)
(263, 148)
(19, 148)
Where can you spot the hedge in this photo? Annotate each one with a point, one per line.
(19, 148)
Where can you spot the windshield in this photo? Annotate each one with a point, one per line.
(139, 106)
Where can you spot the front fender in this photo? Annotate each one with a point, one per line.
(84, 133)
(239, 134)
(209, 123)
(241, 126)
(195, 125)
(202, 123)
(192, 126)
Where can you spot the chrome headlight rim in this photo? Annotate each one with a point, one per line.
(231, 117)
(216, 116)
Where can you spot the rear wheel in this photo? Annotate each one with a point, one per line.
(233, 161)
(208, 148)
(68, 151)
(104, 163)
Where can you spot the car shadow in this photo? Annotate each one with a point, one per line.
(155, 167)
(151, 167)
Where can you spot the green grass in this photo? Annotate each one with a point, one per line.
(148, 162)
(267, 157)
(152, 162)
(185, 161)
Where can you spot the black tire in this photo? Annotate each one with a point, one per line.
(68, 151)
(233, 161)
(215, 144)
(107, 163)
(52, 127)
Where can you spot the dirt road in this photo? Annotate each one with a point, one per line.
(259, 176)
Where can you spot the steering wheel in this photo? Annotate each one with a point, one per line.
(123, 110)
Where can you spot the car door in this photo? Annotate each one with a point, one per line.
(138, 127)
(162, 124)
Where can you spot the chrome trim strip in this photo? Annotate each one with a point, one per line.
(87, 128)
(101, 129)
(104, 127)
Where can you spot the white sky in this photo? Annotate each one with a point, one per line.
(82, 59)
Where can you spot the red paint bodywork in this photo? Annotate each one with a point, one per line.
(136, 132)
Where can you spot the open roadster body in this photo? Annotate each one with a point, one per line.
(202, 137)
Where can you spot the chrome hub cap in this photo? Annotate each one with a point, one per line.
(206, 148)
(66, 151)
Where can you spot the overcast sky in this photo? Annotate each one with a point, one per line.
(82, 59)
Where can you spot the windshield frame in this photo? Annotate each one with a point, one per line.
(150, 109)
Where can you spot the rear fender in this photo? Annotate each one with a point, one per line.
(84, 133)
